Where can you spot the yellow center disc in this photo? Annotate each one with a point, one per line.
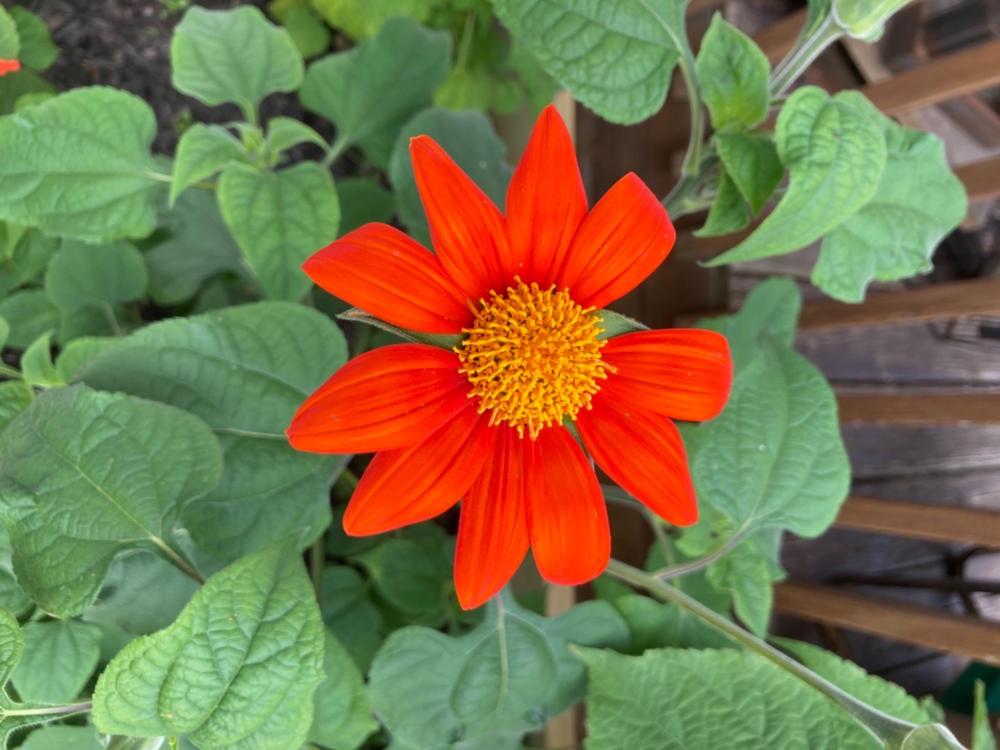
(532, 357)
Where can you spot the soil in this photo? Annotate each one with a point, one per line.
(126, 44)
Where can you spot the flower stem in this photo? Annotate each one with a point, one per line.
(339, 146)
(884, 728)
(70, 708)
(177, 560)
(802, 54)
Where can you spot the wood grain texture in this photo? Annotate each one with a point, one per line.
(921, 520)
(910, 623)
(928, 302)
(939, 80)
(892, 451)
(981, 179)
(920, 408)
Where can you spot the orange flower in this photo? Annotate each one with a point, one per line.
(486, 421)
(9, 66)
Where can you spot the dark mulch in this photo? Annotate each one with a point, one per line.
(126, 44)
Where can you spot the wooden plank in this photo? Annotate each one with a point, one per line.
(942, 79)
(911, 354)
(941, 523)
(893, 451)
(920, 408)
(981, 179)
(911, 623)
(778, 39)
(928, 302)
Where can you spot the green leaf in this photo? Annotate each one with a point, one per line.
(747, 572)
(24, 256)
(894, 235)
(236, 670)
(58, 659)
(271, 355)
(774, 457)
(729, 211)
(10, 42)
(70, 504)
(350, 614)
(79, 166)
(36, 363)
(61, 737)
(341, 717)
(98, 276)
(4, 332)
(12, 595)
(197, 246)
(733, 74)
(751, 160)
(310, 34)
(864, 18)
(469, 139)
(19, 84)
(615, 324)
(201, 152)
(232, 56)
(349, 88)
(616, 58)
(37, 49)
(882, 694)
(284, 132)
(142, 593)
(11, 649)
(77, 353)
(413, 576)
(465, 88)
(279, 219)
(15, 397)
(771, 308)
(491, 685)
(982, 732)
(442, 340)
(675, 699)
(363, 201)
(360, 20)
(29, 314)
(835, 152)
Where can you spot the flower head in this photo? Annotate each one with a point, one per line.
(9, 66)
(487, 422)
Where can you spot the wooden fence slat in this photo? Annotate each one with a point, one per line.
(777, 39)
(939, 523)
(964, 72)
(981, 179)
(901, 621)
(929, 302)
(921, 408)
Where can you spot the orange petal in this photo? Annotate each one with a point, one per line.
(467, 230)
(545, 201)
(493, 528)
(680, 373)
(624, 237)
(386, 398)
(413, 484)
(567, 518)
(642, 451)
(385, 273)
(9, 66)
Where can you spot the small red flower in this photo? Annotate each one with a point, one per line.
(9, 66)
(486, 422)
